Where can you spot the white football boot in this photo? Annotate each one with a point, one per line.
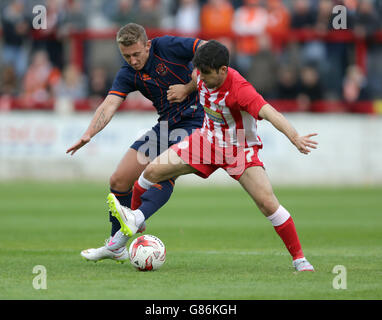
(114, 248)
(124, 215)
(120, 255)
(302, 265)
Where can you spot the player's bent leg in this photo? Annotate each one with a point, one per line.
(255, 181)
(166, 166)
(121, 182)
(128, 170)
(155, 185)
(161, 169)
(160, 172)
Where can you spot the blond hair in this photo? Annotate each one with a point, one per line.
(131, 34)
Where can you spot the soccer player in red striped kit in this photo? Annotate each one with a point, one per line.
(228, 140)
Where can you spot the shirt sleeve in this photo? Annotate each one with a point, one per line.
(249, 100)
(121, 86)
(180, 47)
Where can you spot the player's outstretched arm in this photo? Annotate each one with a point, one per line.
(101, 118)
(303, 143)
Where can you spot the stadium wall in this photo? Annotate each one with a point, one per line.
(33, 145)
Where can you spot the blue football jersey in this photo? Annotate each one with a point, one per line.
(169, 63)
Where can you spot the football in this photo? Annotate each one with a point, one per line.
(147, 253)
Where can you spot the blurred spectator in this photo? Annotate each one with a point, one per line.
(351, 10)
(374, 70)
(366, 20)
(329, 57)
(216, 19)
(74, 18)
(351, 5)
(235, 3)
(278, 25)
(187, 17)
(72, 84)
(262, 73)
(316, 51)
(99, 85)
(99, 13)
(310, 88)
(378, 7)
(324, 16)
(50, 39)
(250, 21)
(148, 14)
(8, 81)
(15, 33)
(287, 83)
(355, 85)
(39, 79)
(124, 13)
(302, 14)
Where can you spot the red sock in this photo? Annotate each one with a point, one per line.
(136, 198)
(287, 232)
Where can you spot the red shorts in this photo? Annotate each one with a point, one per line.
(206, 157)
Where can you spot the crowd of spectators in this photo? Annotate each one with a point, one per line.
(255, 31)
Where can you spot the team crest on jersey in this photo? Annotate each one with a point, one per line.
(161, 69)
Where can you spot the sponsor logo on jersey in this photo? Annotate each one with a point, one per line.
(213, 115)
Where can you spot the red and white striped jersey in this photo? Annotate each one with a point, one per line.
(231, 111)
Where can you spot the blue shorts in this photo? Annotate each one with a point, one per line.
(162, 136)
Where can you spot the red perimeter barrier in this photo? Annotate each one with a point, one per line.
(86, 105)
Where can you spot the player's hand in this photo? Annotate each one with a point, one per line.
(80, 143)
(304, 144)
(177, 93)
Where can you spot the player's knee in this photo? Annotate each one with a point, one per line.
(268, 204)
(152, 173)
(119, 183)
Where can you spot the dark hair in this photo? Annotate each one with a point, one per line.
(211, 56)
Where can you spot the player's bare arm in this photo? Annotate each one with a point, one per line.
(303, 143)
(101, 118)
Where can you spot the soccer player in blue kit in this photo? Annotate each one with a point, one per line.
(161, 70)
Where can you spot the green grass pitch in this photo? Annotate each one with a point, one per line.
(219, 246)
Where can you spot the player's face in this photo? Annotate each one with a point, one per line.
(214, 78)
(137, 54)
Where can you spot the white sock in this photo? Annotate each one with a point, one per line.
(279, 217)
(144, 183)
(139, 217)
